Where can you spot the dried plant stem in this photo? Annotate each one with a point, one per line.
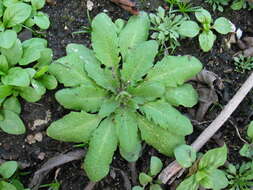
(172, 169)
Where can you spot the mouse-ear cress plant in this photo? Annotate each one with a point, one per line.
(121, 96)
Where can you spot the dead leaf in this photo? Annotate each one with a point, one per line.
(127, 5)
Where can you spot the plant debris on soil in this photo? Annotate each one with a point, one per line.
(219, 81)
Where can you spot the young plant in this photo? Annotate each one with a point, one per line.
(241, 4)
(18, 13)
(8, 181)
(240, 176)
(117, 90)
(146, 179)
(206, 37)
(16, 79)
(243, 64)
(165, 28)
(247, 149)
(217, 4)
(205, 173)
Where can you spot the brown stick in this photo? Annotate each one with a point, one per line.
(172, 169)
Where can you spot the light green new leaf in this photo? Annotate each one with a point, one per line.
(102, 146)
(156, 165)
(203, 16)
(184, 95)
(16, 77)
(214, 158)
(189, 29)
(12, 124)
(16, 50)
(7, 169)
(69, 70)
(223, 25)
(16, 14)
(185, 155)
(38, 4)
(161, 139)
(144, 179)
(155, 187)
(108, 107)
(7, 38)
(5, 91)
(31, 94)
(48, 81)
(42, 20)
(3, 64)
(137, 188)
(7, 186)
(169, 118)
(105, 78)
(206, 40)
(38, 87)
(12, 104)
(74, 127)
(189, 183)
(88, 98)
(46, 56)
(8, 3)
(135, 32)
(175, 70)
(250, 130)
(148, 91)
(139, 61)
(127, 131)
(105, 40)
(37, 42)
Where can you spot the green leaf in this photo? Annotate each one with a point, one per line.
(206, 40)
(46, 56)
(37, 42)
(31, 94)
(16, 77)
(88, 98)
(185, 155)
(135, 32)
(175, 70)
(8, 3)
(137, 188)
(16, 50)
(102, 146)
(12, 124)
(7, 169)
(237, 5)
(105, 78)
(216, 179)
(12, 104)
(6, 186)
(139, 61)
(16, 14)
(184, 95)
(69, 70)
(250, 130)
(74, 127)
(247, 151)
(3, 64)
(105, 40)
(38, 4)
(119, 23)
(203, 16)
(222, 25)
(5, 91)
(169, 118)
(144, 179)
(148, 91)
(214, 158)
(156, 165)
(132, 156)
(161, 139)
(155, 187)
(42, 20)
(7, 38)
(108, 107)
(188, 184)
(127, 131)
(189, 29)
(38, 87)
(48, 81)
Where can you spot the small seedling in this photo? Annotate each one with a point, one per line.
(148, 179)
(217, 4)
(206, 37)
(52, 186)
(243, 64)
(241, 4)
(247, 149)
(204, 172)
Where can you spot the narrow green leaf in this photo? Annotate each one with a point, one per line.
(185, 155)
(135, 32)
(7, 169)
(223, 25)
(250, 130)
(3, 64)
(144, 179)
(16, 77)
(7, 38)
(42, 20)
(156, 165)
(184, 95)
(12, 104)
(88, 98)
(161, 139)
(74, 127)
(102, 146)
(188, 184)
(206, 40)
(105, 40)
(189, 29)
(12, 124)
(139, 61)
(175, 70)
(167, 117)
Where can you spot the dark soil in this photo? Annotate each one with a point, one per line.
(68, 16)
